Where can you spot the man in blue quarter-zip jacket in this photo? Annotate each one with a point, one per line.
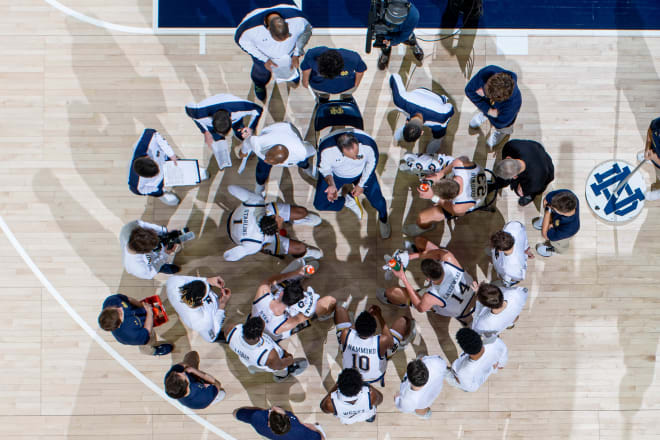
(495, 93)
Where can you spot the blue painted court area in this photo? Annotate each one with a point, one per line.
(498, 14)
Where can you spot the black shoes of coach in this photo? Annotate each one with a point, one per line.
(418, 52)
(525, 200)
(384, 58)
(163, 349)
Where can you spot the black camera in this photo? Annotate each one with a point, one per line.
(172, 238)
(384, 17)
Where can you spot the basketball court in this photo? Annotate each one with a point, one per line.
(80, 81)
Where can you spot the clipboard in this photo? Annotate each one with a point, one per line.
(185, 173)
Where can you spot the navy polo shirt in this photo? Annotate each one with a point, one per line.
(563, 226)
(258, 418)
(200, 395)
(655, 136)
(131, 331)
(344, 81)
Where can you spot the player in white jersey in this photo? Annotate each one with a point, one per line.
(460, 187)
(286, 307)
(450, 290)
(254, 226)
(477, 362)
(199, 307)
(509, 250)
(497, 309)
(258, 352)
(352, 400)
(365, 350)
(421, 385)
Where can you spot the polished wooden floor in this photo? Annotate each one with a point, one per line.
(73, 99)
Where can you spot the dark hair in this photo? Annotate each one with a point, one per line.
(143, 240)
(279, 28)
(193, 293)
(502, 241)
(346, 140)
(330, 63)
(222, 121)
(176, 386)
(253, 328)
(411, 132)
(268, 225)
(432, 268)
(145, 167)
(448, 189)
(279, 423)
(109, 319)
(365, 325)
(564, 201)
(350, 382)
(499, 87)
(469, 340)
(293, 292)
(418, 374)
(490, 295)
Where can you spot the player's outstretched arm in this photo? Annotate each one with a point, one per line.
(412, 295)
(376, 396)
(326, 404)
(276, 362)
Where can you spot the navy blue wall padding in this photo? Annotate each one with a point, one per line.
(337, 113)
(331, 141)
(506, 14)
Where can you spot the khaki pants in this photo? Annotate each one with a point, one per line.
(560, 246)
(148, 348)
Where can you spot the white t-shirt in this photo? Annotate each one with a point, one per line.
(144, 266)
(280, 133)
(206, 319)
(512, 268)
(334, 162)
(472, 374)
(488, 324)
(409, 400)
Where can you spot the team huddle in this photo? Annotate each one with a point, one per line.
(342, 168)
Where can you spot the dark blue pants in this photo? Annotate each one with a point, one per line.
(168, 269)
(263, 170)
(371, 192)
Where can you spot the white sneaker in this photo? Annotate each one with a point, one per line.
(313, 253)
(354, 205)
(203, 174)
(652, 195)
(537, 223)
(398, 134)
(434, 146)
(295, 369)
(260, 189)
(544, 250)
(311, 171)
(413, 230)
(640, 156)
(495, 138)
(385, 230)
(294, 265)
(477, 120)
(170, 199)
(310, 220)
(411, 336)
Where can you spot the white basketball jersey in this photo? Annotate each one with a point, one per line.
(475, 186)
(253, 356)
(359, 411)
(261, 308)
(363, 355)
(244, 223)
(307, 305)
(454, 291)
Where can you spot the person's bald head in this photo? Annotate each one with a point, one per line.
(276, 155)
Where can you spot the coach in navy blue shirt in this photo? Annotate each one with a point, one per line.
(330, 71)
(496, 94)
(278, 424)
(131, 323)
(560, 222)
(190, 386)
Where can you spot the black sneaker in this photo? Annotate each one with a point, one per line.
(371, 419)
(384, 59)
(418, 53)
(525, 200)
(260, 92)
(163, 349)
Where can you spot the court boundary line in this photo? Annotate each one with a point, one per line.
(104, 345)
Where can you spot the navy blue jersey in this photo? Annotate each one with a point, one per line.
(563, 226)
(201, 394)
(258, 418)
(131, 331)
(344, 81)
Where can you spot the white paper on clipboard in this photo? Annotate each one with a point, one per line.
(283, 72)
(184, 173)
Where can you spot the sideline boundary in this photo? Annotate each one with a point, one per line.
(104, 345)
